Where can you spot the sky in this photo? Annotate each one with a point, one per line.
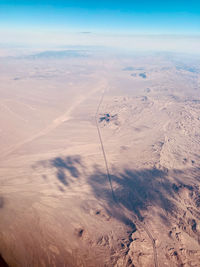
(98, 22)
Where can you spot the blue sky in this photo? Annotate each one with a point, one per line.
(129, 17)
(172, 25)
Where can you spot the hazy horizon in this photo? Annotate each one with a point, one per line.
(150, 25)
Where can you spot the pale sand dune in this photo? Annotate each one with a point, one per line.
(56, 204)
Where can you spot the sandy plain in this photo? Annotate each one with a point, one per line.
(64, 201)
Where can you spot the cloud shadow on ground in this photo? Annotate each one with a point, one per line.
(134, 190)
(66, 168)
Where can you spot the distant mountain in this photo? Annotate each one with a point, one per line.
(132, 68)
(188, 68)
(143, 75)
(60, 54)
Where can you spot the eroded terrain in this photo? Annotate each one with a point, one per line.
(60, 204)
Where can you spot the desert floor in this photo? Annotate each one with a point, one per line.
(99, 162)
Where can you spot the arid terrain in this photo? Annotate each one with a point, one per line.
(100, 159)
